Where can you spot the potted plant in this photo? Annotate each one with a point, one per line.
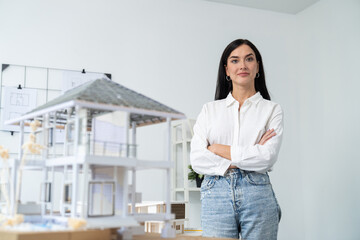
(192, 175)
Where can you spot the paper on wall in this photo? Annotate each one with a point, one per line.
(73, 79)
(15, 103)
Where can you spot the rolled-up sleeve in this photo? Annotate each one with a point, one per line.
(261, 158)
(202, 160)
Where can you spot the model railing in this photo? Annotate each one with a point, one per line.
(94, 147)
(112, 149)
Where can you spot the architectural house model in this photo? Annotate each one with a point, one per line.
(94, 156)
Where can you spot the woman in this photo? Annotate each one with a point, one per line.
(236, 142)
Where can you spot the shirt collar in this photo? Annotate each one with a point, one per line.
(253, 99)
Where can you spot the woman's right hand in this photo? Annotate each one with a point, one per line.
(267, 135)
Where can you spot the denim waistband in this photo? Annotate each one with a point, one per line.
(233, 171)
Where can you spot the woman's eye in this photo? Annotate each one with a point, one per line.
(249, 59)
(234, 61)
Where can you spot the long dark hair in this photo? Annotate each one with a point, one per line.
(223, 87)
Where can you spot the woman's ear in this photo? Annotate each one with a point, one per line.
(226, 70)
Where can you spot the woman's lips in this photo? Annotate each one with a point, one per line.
(243, 74)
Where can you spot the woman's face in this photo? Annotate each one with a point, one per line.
(242, 66)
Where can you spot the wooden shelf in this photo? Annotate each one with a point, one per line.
(189, 189)
(188, 140)
(181, 140)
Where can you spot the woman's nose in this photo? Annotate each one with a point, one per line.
(242, 65)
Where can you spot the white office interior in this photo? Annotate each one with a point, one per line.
(169, 50)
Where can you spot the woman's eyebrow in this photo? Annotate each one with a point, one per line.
(245, 56)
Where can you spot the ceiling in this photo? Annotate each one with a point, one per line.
(283, 6)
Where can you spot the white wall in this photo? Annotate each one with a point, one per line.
(169, 50)
(328, 62)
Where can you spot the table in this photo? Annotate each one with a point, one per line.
(105, 234)
(155, 236)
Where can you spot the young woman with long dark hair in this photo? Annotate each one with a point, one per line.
(236, 142)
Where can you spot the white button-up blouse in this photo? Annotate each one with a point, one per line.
(221, 122)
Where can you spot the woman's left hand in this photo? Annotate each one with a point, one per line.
(267, 136)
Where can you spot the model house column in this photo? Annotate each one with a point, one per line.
(167, 231)
(168, 170)
(121, 176)
(134, 151)
(45, 154)
(83, 150)
(77, 154)
(13, 169)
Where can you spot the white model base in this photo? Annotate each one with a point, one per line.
(168, 231)
(125, 233)
(111, 222)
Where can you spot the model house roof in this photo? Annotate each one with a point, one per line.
(105, 96)
(109, 92)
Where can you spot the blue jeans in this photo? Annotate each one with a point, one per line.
(240, 204)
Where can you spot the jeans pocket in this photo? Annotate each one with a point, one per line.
(206, 185)
(257, 178)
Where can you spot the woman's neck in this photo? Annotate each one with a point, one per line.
(240, 94)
